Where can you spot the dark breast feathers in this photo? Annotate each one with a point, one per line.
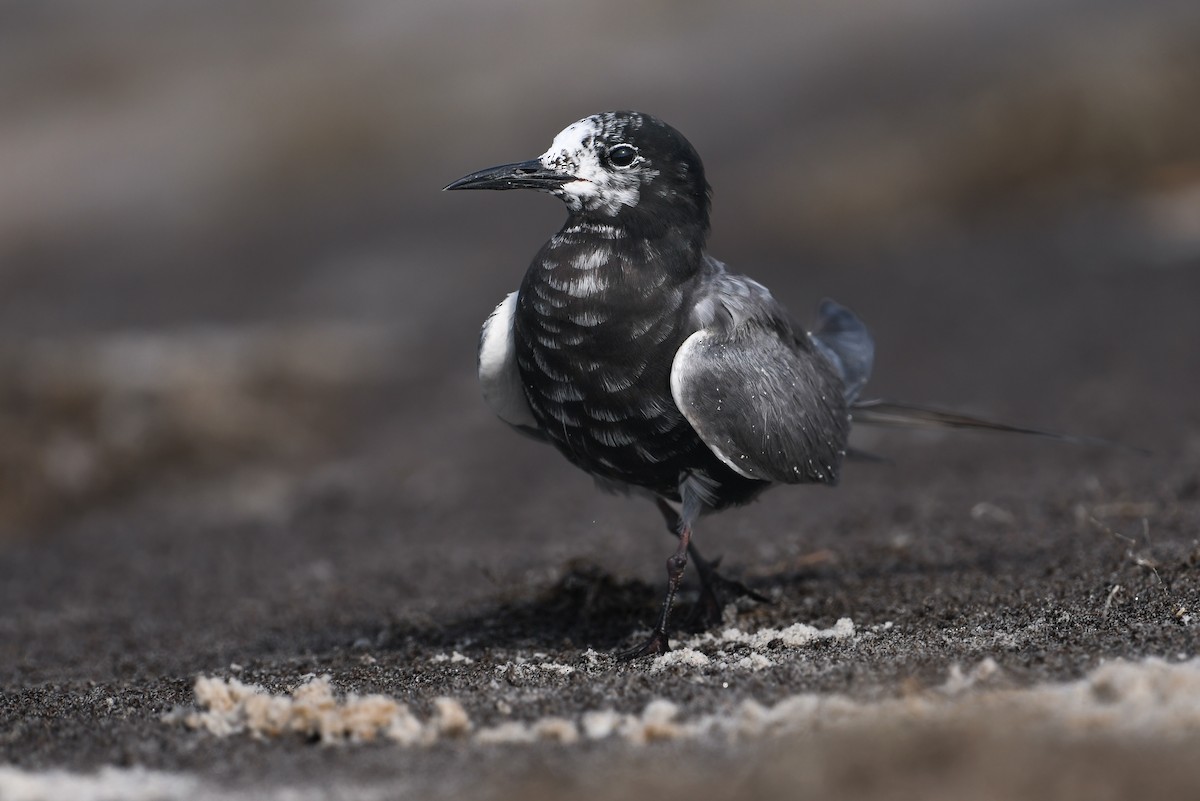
(597, 333)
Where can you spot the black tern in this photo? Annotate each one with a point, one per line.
(654, 368)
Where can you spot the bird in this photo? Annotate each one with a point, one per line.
(653, 367)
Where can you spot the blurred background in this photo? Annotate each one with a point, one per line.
(227, 273)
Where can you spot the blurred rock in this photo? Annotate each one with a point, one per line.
(88, 418)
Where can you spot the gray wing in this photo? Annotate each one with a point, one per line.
(499, 376)
(763, 399)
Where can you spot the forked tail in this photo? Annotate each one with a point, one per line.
(909, 415)
(843, 339)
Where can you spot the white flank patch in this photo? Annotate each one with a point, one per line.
(499, 377)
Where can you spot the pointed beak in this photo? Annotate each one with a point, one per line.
(522, 175)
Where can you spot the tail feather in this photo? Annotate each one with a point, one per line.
(846, 343)
(908, 415)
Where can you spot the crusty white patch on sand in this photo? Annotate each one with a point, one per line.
(1150, 698)
(797, 635)
(311, 710)
(685, 657)
(549, 729)
(1147, 699)
(708, 651)
(959, 682)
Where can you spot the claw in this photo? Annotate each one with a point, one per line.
(716, 591)
(658, 643)
(736, 589)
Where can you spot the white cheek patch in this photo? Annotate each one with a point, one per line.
(574, 151)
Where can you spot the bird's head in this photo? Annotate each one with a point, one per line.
(621, 167)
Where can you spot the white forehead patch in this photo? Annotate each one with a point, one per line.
(571, 141)
(576, 151)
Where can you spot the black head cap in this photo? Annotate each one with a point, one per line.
(620, 167)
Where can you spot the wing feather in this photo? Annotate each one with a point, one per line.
(763, 400)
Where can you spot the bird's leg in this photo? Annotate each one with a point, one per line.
(712, 584)
(659, 643)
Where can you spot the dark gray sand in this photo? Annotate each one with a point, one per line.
(249, 447)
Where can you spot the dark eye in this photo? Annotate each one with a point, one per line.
(622, 155)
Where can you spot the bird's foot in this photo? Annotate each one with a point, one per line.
(655, 645)
(732, 589)
(715, 592)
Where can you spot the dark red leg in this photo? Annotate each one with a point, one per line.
(713, 586)
(691, 492)
(658, 643)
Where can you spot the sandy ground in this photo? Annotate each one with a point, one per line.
(241, 437)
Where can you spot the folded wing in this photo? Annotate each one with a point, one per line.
(765, 401)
